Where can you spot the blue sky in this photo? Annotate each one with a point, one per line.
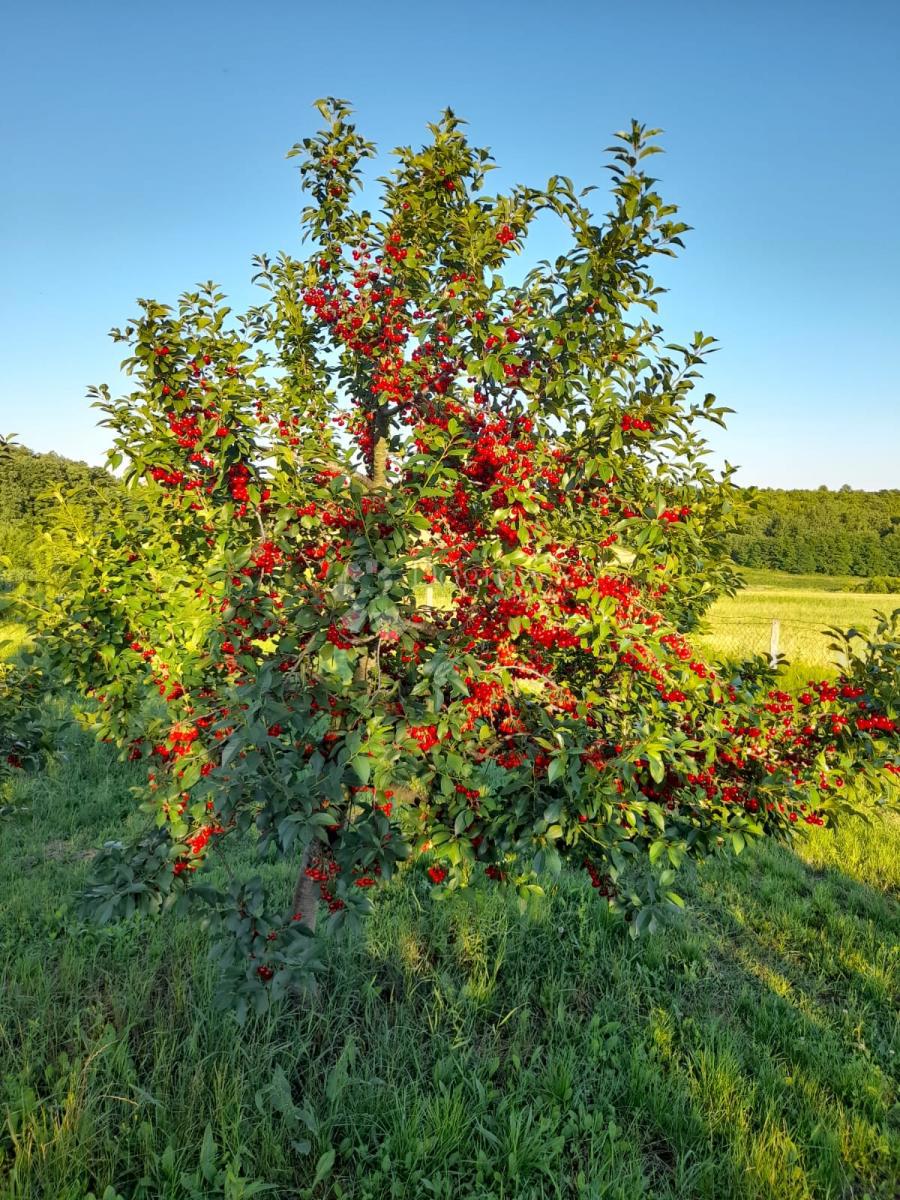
(143, 150)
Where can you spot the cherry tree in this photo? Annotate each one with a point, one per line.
(408, 565)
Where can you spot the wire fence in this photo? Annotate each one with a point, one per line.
(797, 639)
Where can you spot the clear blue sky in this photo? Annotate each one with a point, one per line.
(143, 150)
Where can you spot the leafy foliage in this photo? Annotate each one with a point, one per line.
(841, 533)
(395, 416)
(46, 501)
(879, 585)
(26, 733)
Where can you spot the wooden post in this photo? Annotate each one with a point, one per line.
(773, 643)
(306, 894)
(429, 596)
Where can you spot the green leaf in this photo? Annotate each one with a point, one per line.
(208, 1155)
(362, 767)
(323, 1167)
(557, 766)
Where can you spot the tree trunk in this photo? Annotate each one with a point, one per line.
(379, 461)
(306, 890)
(306, 894)
(381, 431)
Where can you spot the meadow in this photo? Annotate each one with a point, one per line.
(464, 1049)
(804, 606)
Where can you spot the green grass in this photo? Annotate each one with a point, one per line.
(741, 624)
(782, 580)
(458, 1049)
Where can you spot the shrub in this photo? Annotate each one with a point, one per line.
(879, 584)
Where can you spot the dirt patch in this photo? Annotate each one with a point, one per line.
(60, 851)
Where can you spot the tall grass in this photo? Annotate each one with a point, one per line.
(741, 625)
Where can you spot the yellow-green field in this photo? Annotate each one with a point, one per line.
(741, 625)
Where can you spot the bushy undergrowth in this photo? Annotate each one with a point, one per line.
(459, 1049)
(879, 585)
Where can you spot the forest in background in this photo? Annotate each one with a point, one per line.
(845, 532)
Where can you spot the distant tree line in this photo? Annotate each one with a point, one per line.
(845, 532)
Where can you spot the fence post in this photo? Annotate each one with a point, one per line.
(429, 596)
(773, 642)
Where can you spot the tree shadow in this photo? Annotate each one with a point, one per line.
(737, 1056)
(808, 1029)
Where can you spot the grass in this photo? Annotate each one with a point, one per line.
(742, 624)
(460, 1049)
(758, 577)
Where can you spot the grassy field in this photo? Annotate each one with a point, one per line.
(459, 1050)
(782, 581)
(742, 624)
